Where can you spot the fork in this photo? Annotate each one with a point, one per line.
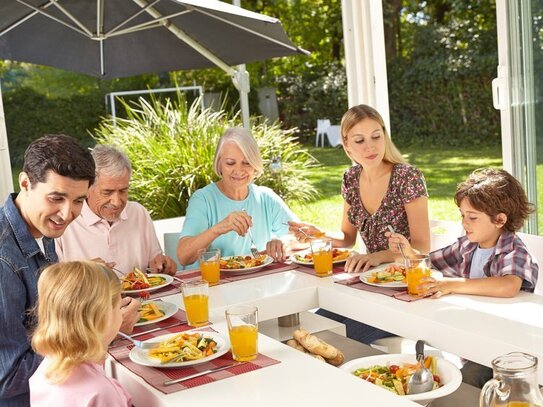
(254, 250)
(391, 229)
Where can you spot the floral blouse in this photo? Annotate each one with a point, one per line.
(406, 184)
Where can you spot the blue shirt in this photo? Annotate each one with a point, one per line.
(478, 261)
(20, 261)
(208, 206)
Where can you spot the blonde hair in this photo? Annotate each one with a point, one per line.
(355, 115)
(246, 143)
(73, 299)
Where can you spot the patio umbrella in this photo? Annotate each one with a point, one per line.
(118, 38)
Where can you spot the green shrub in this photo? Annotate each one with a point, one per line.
(171, 147)
(30, 115)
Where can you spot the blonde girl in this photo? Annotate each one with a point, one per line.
(79, 314)
(380, 190)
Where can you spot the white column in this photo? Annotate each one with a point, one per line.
(6, 180)
(365, 57)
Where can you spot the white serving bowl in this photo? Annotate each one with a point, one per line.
(450, 375)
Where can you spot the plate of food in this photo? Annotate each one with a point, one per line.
(181, 349)
(244, 264)
(155, 311)
(305, 257)
(392, 371)
(385, 275)
(137, 281)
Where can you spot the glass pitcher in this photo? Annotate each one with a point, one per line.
(514, 383)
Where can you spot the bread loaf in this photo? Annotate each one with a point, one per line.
(293, 343)
(338, 360)
(315, 345)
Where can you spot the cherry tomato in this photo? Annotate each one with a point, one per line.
(393, 368)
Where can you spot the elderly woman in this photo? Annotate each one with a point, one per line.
(220, 214)
(380, 190)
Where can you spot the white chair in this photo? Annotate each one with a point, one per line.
(322, 127)
(534, 244)
(444, 233)
(333, 133)
(170, 246)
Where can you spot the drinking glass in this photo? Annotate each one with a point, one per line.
(196, 300)
(418, 270)
(210, 265)
(322, 256)
(243, 331)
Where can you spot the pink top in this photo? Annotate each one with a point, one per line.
(87, 386)
(130, 241)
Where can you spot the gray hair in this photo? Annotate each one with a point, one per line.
(110, 161)
(246, 143)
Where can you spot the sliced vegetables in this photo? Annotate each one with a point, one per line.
(395, 377)
(184, 346)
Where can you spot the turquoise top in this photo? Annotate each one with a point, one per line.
(208, 206)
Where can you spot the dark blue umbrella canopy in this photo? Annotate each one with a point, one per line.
(118, 38)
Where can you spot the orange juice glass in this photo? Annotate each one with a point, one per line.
(418, 270)
(322, 256)
(210, 265)
(196, 300)
(243, 331)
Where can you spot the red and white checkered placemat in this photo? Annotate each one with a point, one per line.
(399, 294)
(270, 269)
(308, 269)
(156, 377)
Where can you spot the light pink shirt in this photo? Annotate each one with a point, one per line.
(130, 241)
(87, 386)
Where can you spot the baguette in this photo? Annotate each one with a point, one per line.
(315, 345)
(293, 343)
(338, 360)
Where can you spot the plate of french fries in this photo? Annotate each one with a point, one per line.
(155, 311)
(182, 349)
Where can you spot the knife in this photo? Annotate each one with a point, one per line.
(158, 328)
(170, 382)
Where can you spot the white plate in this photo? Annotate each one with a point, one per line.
(267, 261)
(141, 356)
(167, 308)
(303, 262)
(393, 284)
(450, 375)
(167, 281)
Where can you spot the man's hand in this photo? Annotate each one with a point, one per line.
(163, 264)
(276, 249)
(130, 314)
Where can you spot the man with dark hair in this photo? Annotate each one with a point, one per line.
(56, 176)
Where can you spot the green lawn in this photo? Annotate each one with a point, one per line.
(443, 169)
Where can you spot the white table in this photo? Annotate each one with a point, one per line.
(477, 328)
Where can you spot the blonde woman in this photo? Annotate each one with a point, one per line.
(220, 214)
(380, 190)
(79, 314)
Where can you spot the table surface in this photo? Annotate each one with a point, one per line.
(477, 328)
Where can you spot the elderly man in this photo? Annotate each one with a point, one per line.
(112, 228)
(57, 173)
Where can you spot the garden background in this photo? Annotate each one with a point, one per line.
(441, 58)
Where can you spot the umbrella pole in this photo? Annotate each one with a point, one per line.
(242, 83)
(6, 180)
